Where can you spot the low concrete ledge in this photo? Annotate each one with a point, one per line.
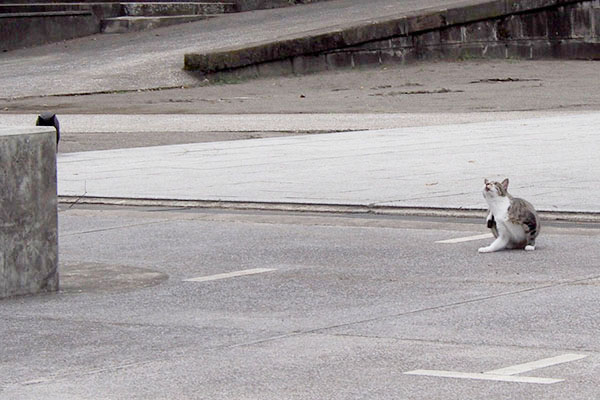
(34, 28)
(248, 5)
(392, 37)
(28, 214)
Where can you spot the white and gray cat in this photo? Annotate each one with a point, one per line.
(513, 221)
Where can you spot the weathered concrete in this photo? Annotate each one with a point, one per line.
(434, 167)
(247, 5)
(138, 16)
(491, 29)
(28, 215)
(25, 23)
(30, 28)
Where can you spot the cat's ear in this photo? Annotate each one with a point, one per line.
(486, 181)
(505, 184)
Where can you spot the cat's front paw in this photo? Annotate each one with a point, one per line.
(529, 248)
(484, 250)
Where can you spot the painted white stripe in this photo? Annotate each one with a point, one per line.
(467, 239)
(485, 376)
(530, 366)
(229, 275)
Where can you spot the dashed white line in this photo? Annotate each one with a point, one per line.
(530, 366)
(229, 275)
(483, 376)
(467, 239)
(507, 374)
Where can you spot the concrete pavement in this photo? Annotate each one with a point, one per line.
(154, 59)
(551, 161)
(301, 122)
(352, 304)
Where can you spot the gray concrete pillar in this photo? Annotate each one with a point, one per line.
(28, 214)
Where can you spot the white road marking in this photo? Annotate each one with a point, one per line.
(505, 374)
(229, 275)
(467, 239)
(484, 376)
(530, 366)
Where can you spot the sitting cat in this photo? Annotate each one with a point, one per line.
(513, 221)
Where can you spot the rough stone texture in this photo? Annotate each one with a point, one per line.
(133, 24)
(31, 29)
(28, 216)
(26, 23)
(568, 31)
(160, 9)
(247, 5)
(531, 29)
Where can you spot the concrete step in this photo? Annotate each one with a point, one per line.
(158, 9)
(53, 2)
(13, 8)
(137, 16)
(464, 30)
(133, 24)
(24, 25)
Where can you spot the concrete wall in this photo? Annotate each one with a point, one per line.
(530, 29)
(48, 21)
(570, 31)
(27, 29)
(247, 5)
(28, 214)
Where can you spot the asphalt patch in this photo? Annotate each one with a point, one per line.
(97, 278)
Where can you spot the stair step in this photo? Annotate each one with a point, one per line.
(133, 24)
(53, 2)
(152, 9)
(10, 8)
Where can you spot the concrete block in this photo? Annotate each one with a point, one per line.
(249, 5)
(516, 6)
(581, 20)
(234, 75)
(509, 28)
(450, 51)
(427, 21)
(494, 50)
(402, 42)
(392, 57)
(534, 25)
(452, 34)
(275, 68)
(40, 28)
(28, 214)
(376, 45)
(576, 50)
(596, 20)
(541, 49)
(309, 63)
(473, 10)
(312, 43)
(339, 59)
(559, 23)
(430, 53)
(363, 58)
(471, 50)
(521, 50)
(431, 38)
(480, 31)
(389, 28)
(483, 28)
(409, 55)
(158, 9)
(358, 35)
